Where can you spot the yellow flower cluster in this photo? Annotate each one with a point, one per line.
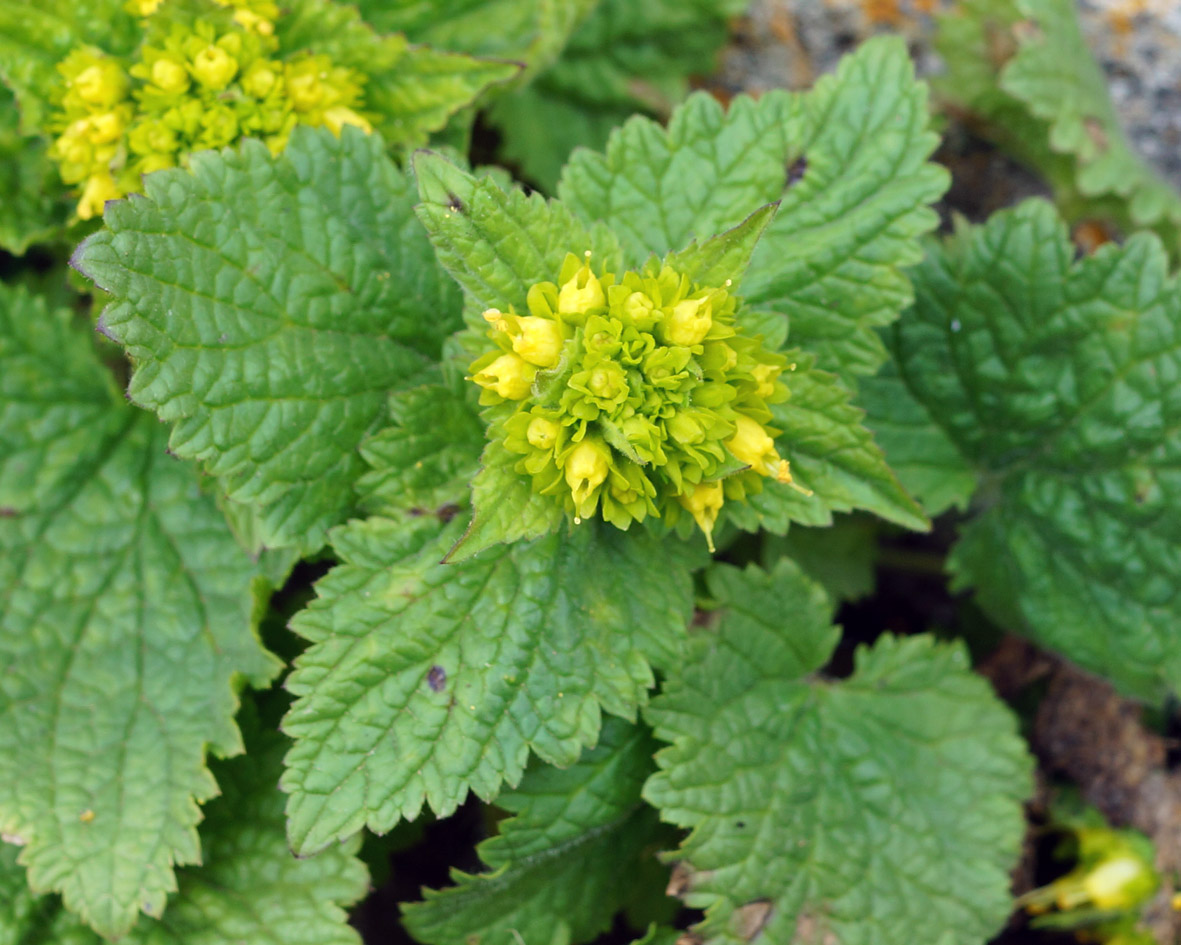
(634, 397)
(197, 87)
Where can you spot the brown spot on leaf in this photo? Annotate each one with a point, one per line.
(1096, 132)
(750, 919)
(1000, 44)
(810, 930)
(1028, 31)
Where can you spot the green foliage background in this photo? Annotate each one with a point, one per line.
(293, 335)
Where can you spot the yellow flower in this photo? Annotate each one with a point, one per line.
(510, 376)
(338, 116)
(581, 292)
(214, 68)
(688, 323)
(750, 444)
(542, 433)
(250, 20)
(107, 127)
(766, 375)
(99, 189)
(104, 83)
(586, 469)
(1113, 884)
(537, 340)
(704, 503)
(169, 75)
(142, 7)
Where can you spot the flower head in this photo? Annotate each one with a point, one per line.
(196, 85)
(634, 397)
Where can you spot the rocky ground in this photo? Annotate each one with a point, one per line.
(787, 43)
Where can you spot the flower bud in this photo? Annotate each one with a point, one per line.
(214, 68)
(750, 444)
(537, 340)
(581, 292)
(704, 503)
(586, 469)
(99, 189)
(640, 310)
(338, 116)
(688, 323)
(259, 80)
(168, 75)
(250, 20)
(304, 87)
(765, 376)
(103, 83)
(510, 376)
(1116, 883)
(542, 433)
(106, 127)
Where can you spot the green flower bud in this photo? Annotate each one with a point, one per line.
(688, 323)
(543, 433)
(260, 78)
(214, 68)
(169, 75)
(103, 83)
(765, 376)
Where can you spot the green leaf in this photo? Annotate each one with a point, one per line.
(1023, 69)
(505, 507)
(721, 259)
(55, 424)
(832, 455)
(35, 37)
(884, 808)
(426, 459)
(269, 306)
(498, 244)
(427, 680)
(127, 627)
(28, 918)
(832, 259)
(249, 886)
(840, 558)
(568, 860)
(532, 32)
(625, 58)
(657, 935)
(1056, 379)
(926, 461)
(34, 208)
(414, 89)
